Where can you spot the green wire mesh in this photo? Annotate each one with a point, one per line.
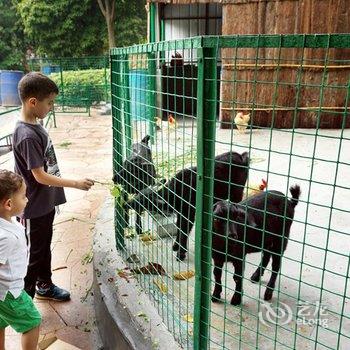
(186, 95)
(82, 81)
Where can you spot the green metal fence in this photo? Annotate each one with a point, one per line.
(296, 90)
(8, 119)
(82, 81)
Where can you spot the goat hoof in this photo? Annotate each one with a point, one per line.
(215, 298)
(255, 277)
(175, 247)
(268, 294)
(236, 299)
(180, 256)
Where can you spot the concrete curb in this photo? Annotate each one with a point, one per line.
(119, 302)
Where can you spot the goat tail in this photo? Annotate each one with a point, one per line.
(295, 192)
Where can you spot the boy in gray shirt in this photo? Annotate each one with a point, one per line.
(35, 160)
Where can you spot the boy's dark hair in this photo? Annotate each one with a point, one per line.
(36, 85)
(9, 183)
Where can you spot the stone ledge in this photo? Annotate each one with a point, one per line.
(118, 302)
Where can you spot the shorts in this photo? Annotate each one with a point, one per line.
(19, 313)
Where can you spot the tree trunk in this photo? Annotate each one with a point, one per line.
(25, 64)
(107, 8)
(111, 35)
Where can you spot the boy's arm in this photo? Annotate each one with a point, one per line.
(50, 180)
(32, 152)
(5, 249)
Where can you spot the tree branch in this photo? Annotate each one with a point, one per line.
(113, 10)
(102, 8)
(108, 11)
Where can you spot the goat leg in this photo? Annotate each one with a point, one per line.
(138, 224)
(237, 277)
(218, 287)
(177, 240)
(126, 216)
(276, 264)
(261, 269)
(185, 229)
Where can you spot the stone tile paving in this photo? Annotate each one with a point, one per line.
(83, 147)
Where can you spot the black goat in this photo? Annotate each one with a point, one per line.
(176, 60)
(138, 171)
(179, 194)
(238, 229)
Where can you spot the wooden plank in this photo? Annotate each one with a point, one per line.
(283, 65)
(268, 66)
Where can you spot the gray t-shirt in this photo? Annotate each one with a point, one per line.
(32, 148)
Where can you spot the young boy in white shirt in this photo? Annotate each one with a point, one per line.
(16, 306)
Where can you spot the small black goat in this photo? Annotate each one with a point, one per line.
(138, 171)
(179, 194)
(238, 230)
(176, 60)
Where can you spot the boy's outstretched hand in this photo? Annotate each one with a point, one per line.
(44, 178)
(84, 184)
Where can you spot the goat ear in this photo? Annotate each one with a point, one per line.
(245, 158)
(251, 220)
(214, 206)
(146, 139)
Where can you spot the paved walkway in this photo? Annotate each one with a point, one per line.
(83, 146)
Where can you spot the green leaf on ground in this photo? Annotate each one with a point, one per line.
(65, 144)
(87, 257)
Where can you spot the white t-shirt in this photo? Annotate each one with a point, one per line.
(14, 256)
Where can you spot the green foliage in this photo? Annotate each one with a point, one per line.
(13, 43)
(119, 194)
(64, 28)
(69, 63)
(131, 24)
(80, 84)
(167, 166)
(81, 77)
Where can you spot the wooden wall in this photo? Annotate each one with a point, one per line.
(248, 86)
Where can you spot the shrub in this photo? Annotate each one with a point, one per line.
(83, 84)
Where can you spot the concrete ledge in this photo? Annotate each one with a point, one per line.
(118, 302)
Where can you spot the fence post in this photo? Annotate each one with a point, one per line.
(152, 22)
(152, 70)
(118, 141)
(61, 77)
(162, 33)
(106, 65)
(126, 98)
(206, 126)
(152, 112)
